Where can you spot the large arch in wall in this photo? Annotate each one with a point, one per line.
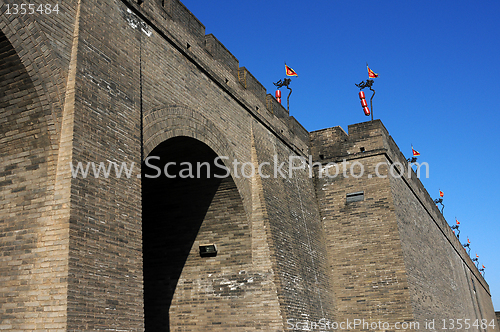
(177, 120)
(41, 64)
(21, 120)
(182, 288)
(30, 103)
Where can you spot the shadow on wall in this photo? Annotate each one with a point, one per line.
(173, 212)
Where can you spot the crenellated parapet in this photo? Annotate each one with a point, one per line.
(381, 220)
(184, 31)
(118, 118)
(369, 138)
(220, 53)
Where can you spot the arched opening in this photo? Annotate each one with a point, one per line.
(180, 213)
(24, 155)
(23, 133)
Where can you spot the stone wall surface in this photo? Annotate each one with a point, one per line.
(426, 263)
(364, 249)
(34, 195)
(123, 81)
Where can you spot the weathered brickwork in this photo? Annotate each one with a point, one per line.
(401, 259)
(33, 214)
(183, 289)
(120, 81)
(295, 233)
(456, 288)
(366, 260)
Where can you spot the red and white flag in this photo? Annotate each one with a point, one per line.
(371, 74)
(289, 71)
(415, 152)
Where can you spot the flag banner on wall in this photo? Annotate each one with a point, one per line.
(371, 74)
(415, 152)
(289, 71)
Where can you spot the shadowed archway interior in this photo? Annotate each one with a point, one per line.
(179, 214)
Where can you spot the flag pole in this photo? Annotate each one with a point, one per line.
(371, 104)
(286, 82)
(367, 84)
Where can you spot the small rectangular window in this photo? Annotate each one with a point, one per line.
(355, 197)
(208, 250)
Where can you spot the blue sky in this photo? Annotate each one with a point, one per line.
(438, 87)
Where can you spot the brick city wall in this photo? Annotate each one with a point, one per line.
(125, 79)
(366, 261)
(34, 193)
(118, 81)
(401, 259)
